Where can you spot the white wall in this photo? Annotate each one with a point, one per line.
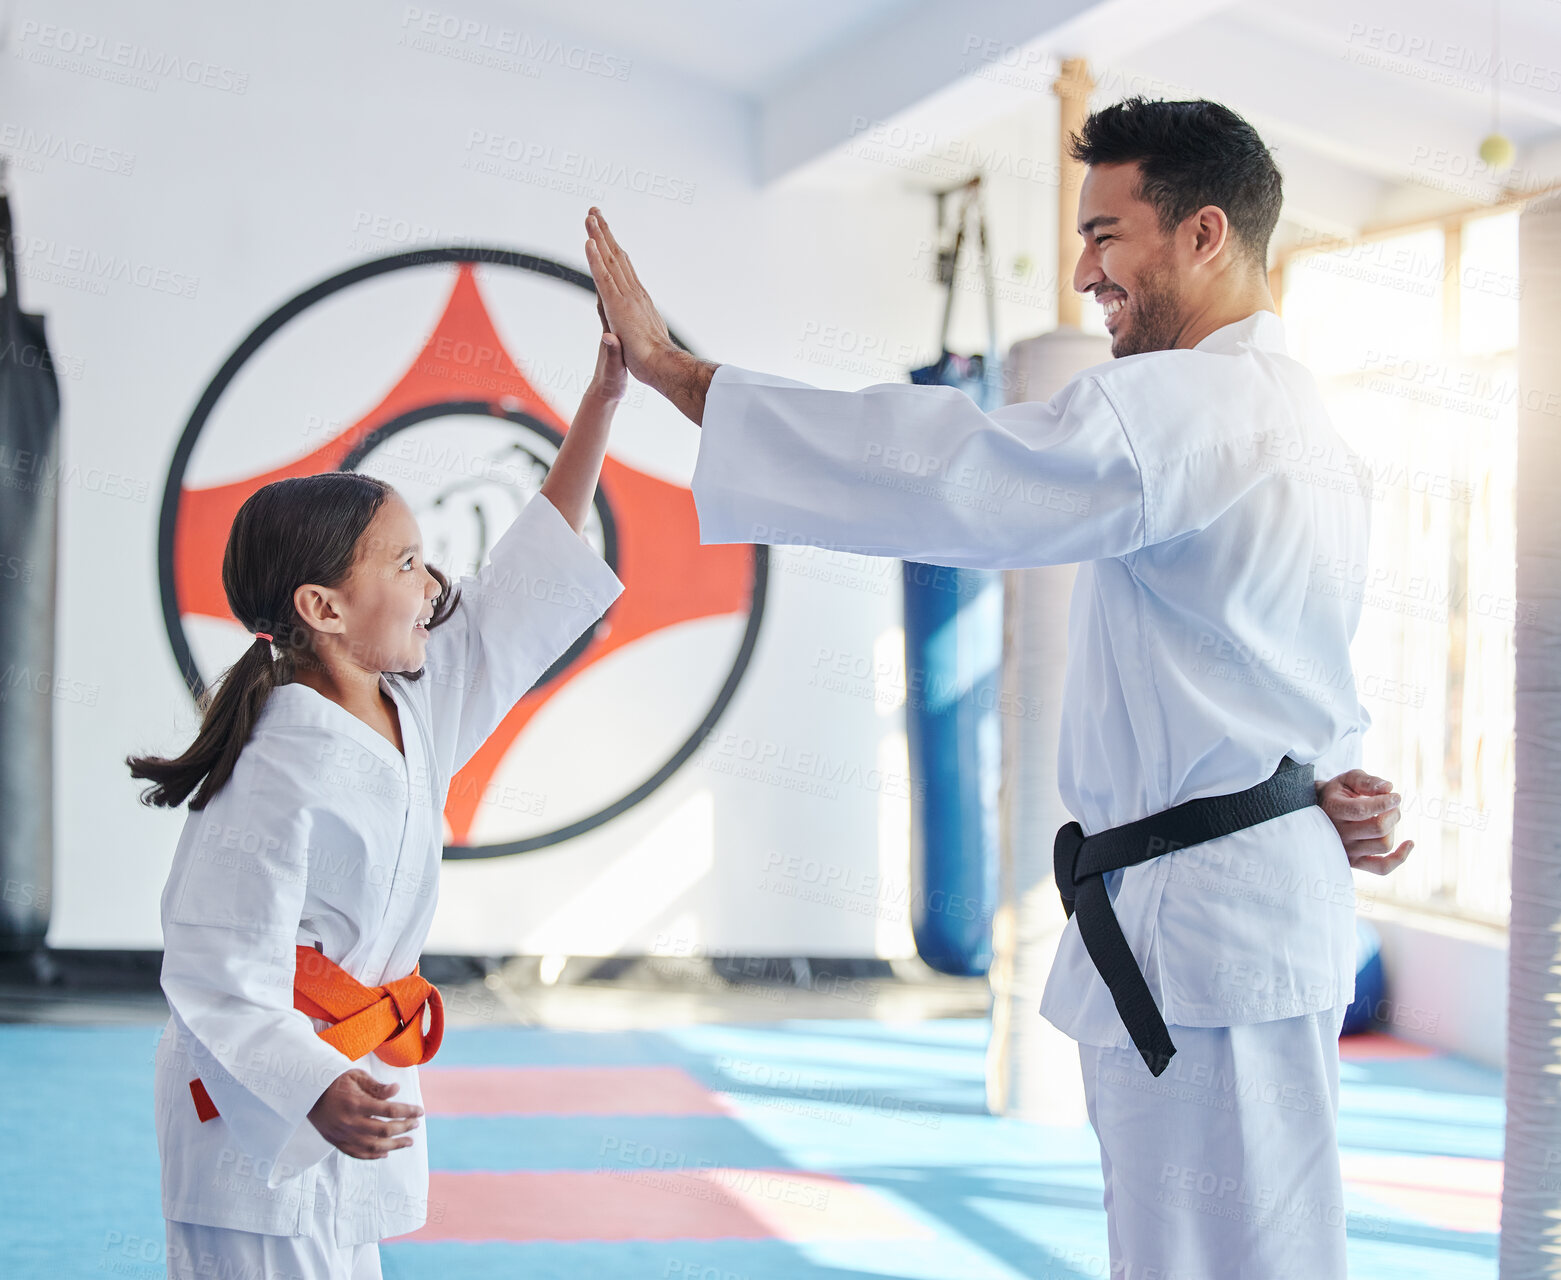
(344, 139)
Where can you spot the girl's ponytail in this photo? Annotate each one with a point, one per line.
(304, 529)
(229, 712)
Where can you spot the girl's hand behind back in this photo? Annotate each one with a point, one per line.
(611, 379)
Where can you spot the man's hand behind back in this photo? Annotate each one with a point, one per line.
(1364, 810)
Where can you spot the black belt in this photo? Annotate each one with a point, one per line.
(1079, 863)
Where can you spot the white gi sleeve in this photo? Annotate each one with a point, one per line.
(918, 472)
(542, 587)
(230, 923)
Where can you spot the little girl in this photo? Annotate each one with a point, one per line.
(305, 879)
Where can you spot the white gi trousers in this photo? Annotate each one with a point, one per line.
(204, 1253)
(1226, 1166)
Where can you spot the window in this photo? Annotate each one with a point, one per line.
(1413, 338)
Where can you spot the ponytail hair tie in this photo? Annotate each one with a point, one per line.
(262, 635)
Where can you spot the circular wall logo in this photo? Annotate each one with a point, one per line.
(447, 372)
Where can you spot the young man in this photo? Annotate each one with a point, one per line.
(1216, 517)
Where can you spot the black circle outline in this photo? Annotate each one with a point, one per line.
(294, 306)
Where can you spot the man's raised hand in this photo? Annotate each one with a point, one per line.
(1364, 811)
(631, 315)
(648, 349)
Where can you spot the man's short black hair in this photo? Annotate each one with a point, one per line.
(1190, 154)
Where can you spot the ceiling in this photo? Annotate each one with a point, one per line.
(746, 47)
(1375, 108)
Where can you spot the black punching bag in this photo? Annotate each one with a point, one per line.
(29, 540)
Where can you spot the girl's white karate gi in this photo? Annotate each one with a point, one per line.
(1221, 526)
(326, 834)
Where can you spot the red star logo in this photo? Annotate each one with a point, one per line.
(668, 576)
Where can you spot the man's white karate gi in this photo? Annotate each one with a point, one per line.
(326, 834)
(1221, 526)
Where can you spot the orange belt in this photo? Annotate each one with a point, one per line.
(386, 1021)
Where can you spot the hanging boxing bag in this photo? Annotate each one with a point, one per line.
(29, 524)
(953, 658)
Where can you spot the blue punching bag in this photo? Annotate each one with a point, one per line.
(953, 659)
(1370, 986)
(953, 653)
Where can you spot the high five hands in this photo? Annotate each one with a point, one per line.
(648, 347)
(1364, 810)
(631, 315)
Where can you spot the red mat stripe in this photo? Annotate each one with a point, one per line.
(1374, 1046)
(566, 1091)
(612, 1205)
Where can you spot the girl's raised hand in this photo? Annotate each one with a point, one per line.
(571, 480)
(611, 378)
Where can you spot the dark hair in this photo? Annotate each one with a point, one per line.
(1190, 154)
(287, 533)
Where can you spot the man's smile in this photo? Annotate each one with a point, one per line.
(1111, 302)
